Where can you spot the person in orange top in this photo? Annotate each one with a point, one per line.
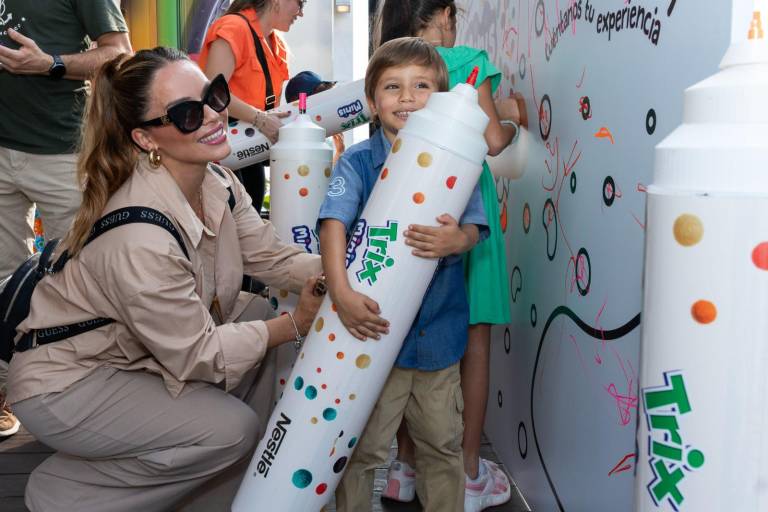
(230, 49)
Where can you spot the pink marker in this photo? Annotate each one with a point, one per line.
(302, 103)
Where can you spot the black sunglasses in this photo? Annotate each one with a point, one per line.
(188, 116)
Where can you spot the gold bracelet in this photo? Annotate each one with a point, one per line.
(299, 341)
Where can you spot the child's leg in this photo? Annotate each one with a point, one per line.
(434, 421)
(356, 488)
(474, 388)
(404, 444)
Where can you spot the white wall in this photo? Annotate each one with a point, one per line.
(564, 391)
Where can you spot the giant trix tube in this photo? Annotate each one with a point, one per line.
(300, 167)
(336, 110)
(432, 169)
(704, 379)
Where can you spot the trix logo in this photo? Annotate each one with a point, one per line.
(349, 110)
(670, 457)
(375, 257)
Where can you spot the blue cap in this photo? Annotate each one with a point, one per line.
(306, 81)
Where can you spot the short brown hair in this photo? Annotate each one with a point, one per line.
(404, 51)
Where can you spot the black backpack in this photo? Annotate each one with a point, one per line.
(17, 294)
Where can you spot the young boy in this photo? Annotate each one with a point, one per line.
(424, 384)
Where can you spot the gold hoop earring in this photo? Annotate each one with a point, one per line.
(154, 158)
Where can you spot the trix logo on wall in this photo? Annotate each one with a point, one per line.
(672, 457)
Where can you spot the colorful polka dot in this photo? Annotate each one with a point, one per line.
(352, 442)
(397, 145)
(327, 172)
(282, 382)
(298, 383)
(320, 489)
(301, 478)
(310, 392)
(424, 159)
(319, 324)
(450, 182)
(338, 466)
(704, 311)
(339, 355)
(331, 337)
(283, 293)
(352, 396)
(688, 230)
(318, 118)
(286, 176)
(303, 170)
(695, 459)
(384, 173)
(303, 192)
(234, 131)
(363, 361)
(313, 420)
(329, 414)
(337, 401)
(323, 386)
(301, 356)
(418, 198)
(333, 307)
(319, 370)
(760, 256)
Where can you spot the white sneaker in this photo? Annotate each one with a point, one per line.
(401, 482)
(491, 489)
(9, 424)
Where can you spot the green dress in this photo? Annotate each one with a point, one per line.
(485, 266)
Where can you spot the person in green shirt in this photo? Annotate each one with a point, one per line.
(46, 55)
(485, 265)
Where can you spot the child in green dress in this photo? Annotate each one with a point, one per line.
(485, 265)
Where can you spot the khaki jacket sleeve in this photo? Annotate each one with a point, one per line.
(149, 283)
(265, 256)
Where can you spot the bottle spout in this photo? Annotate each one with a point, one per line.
(472, 78)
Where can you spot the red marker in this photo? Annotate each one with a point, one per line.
(473, 76)
(302, 103)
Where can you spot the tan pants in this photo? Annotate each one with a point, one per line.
(125, 444)
(432, 405)
(50, 182)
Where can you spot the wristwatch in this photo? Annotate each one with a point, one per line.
(57, 69)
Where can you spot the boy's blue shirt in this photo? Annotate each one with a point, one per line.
(438, 337)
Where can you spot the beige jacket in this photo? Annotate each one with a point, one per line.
(162, 302)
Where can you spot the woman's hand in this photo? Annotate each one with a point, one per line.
(309, 303)
(360, 315)
(269, 124)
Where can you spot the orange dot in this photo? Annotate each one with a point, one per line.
(286, 176)
(303, 192)
(331, 337)
(384, 173)
(339, 355)
(233, 131)
(760, 256)
(418, 198)
(704, 311)
(333, 307)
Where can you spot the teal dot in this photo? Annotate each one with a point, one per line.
(329, 414)
(695, 458)
(310, 392)
(352, 442)
(298, 383)
(302, 478)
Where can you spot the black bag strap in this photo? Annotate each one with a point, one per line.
(269, 101)
(119, 217)
(231, 201)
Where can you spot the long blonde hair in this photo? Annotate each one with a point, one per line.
(119, 101)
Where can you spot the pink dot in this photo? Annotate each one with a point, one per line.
(760, 256)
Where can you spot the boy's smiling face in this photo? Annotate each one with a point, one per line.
(400, 91)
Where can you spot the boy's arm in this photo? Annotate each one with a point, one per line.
(359, 313)
(444, 240)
